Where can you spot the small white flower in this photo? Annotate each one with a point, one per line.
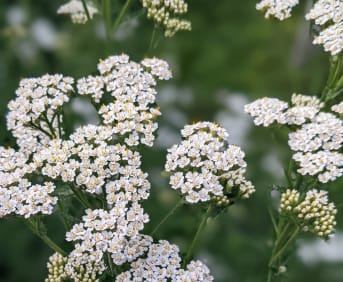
(166, 13)
(204, 164)
(338, 108)
(77, 12)
(280, 9)
(32, 117)
(162, 262)
(329, 15)
(266, 111)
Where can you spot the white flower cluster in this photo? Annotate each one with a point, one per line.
(97, 159)
(88, 161)
(314, 213)
(267, 111)
(338, 108)
(102, 232)
(56, 266)
(329, 15)
(17, 194)
(205, 167)
(80, 269)
(317, 145)
(148, 262)
(318, 141)
(303, 108)
(36, 109)
(133, 110)
(325, 132)
(280, 9)
(163, 263)
(77, 12)
(165, 13)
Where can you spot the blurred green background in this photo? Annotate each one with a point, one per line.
(232, 56)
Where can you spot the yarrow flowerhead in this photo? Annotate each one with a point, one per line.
(165, 13)
(338, 108)
(18, 195)
(313, 212)
(162, 262)
(267, 111)
(109, 232)
(280, 9)
(329, 15)
(77, 11)
(317, 145)
(34, 115)
(132, 109)
(317, 139)
(88, 161)
(204, 167)
(56, 265)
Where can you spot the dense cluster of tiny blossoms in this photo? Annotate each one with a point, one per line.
(132, 110)
(56, 265)
(280, 9)
(314, 213)
(80, 269)
(102, 231)
(204, 167)
(165, 13)
(163, 263)
(338, 108)
(267, 111)
(317, 145)
(317, 139)
(17, 194)
(329, 15)
(89, 162)
(34, 116)
(77, 11)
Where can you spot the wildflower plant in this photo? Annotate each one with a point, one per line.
(315, 137)
(92, 176)
(100, 165)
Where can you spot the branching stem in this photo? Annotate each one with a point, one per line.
(169, 214)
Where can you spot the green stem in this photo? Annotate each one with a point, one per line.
(270, 275)
(152, 40)
(80, 197)
(45, 118)
(285, 246)
(86, 9)
(334, 81)
(170, 213)
(65, 220)
(285, 235)
(197, 236)
(59, 125)
(34, 226)
(273, 221)
(121, 15)
(110, 263)
(32, 124)
(106, 13)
